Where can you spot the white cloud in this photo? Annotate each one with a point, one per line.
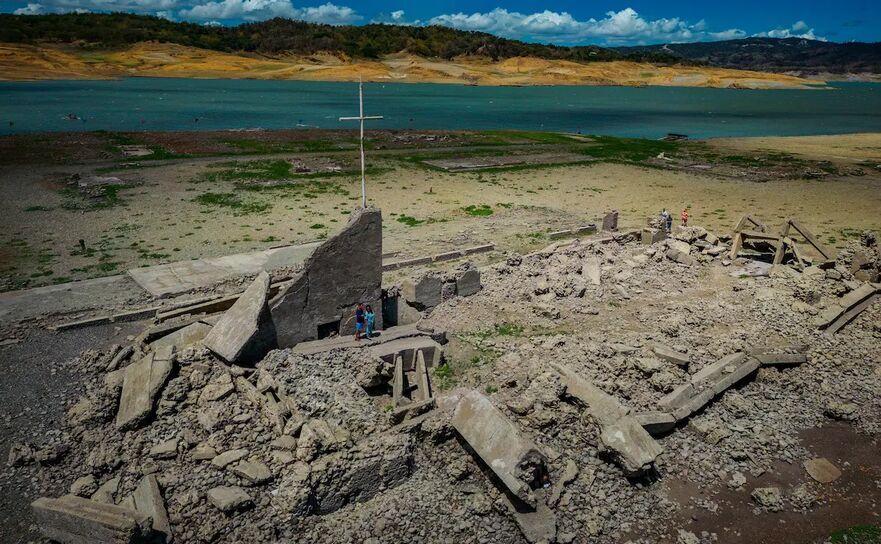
(152, 7)
(798, 30)
(30, 9)
(256, 10)
(397, 15)
(617, 27)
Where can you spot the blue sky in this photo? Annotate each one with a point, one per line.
(564, 22)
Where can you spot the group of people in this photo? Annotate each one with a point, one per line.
(364, 321)
(666, 219)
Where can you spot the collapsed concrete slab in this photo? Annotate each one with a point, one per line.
(141, 384)
(515, 459)
(591, 270)
(245, 332)
(634, 450)
(705, 385)
(187, 336)
(671, 355)
(848, 307)
(652, 236)
(74, 520)
(344, 271)
(149, 502)
(656, 423)
(610, 221)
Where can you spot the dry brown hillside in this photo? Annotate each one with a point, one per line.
(24, 62)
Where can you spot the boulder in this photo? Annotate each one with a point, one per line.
(74, 520)
(149, 502)
(245, 332)
(229, 499)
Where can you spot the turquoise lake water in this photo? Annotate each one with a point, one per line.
(174, 104)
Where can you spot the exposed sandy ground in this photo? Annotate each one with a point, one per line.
(842, 147)
(24, 62)
(160, 221)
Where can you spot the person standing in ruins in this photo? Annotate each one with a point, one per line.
(665, 219)
(370, 318)
(359, 321)
(684, 217)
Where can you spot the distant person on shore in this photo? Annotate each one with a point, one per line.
(669, 223)
(665, 219)
(371, 321)
(359, 321)
(684, 217)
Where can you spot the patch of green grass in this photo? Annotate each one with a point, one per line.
(232, 201)
(410, 221)
(444, 377)
(37, 209)
(611, 148)
(107, 197)
(478, 211)
(269, 239)
(316, 226)
(858, 534)
(490, 389)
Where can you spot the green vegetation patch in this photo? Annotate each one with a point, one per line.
(858, 534)
(483, 210)
(105, 196)
(233, 202)
(610, 148)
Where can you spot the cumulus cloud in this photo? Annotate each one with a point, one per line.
(256, 10)
(617, 27)
(30, 9)
(798, 30)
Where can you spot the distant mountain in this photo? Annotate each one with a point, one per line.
(775, 55)
(285, 36)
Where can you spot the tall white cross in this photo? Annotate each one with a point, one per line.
(361, 117)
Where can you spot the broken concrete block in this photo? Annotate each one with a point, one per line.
(634, 450)
(669, 354)
(106, 493)
(360, 473)
(653, 236)
(681, 257)
(203, 452)
(468, 283)
(591, 270)
(516, 460)
(254, 472)
(165, 450)
(149, 502)
(610, 221)
(407, 348)
(141, 385)
(74, 520)
(181, 338)
(245, 332)
(538, 525)
(424, 293)
(781, 359)
(849, 306)
(342, 272)
(229, 457)
(229, 499)
(656, 422)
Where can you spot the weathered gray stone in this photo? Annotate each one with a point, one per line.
(141, 385)
(245, 332)
(468, 282)
(229, 499)
(669, 354)
(822, 470)
(768, 497)
(74, 520)
(653, 236)
(254, 472)
(656, 422)
(148, 501)
(203, 452)
(228, 457)
(342, 272)
(538, 525)
(106, 492)
(165, 450)
(84, 486)
(424, 293)
(516, 460)
(610, 221)
(181, 338)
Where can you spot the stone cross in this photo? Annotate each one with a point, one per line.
(361, 118)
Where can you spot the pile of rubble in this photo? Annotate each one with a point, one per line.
(622, 362)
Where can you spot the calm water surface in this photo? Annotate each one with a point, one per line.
(174, 104)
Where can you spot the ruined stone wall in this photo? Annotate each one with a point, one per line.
(345, 270)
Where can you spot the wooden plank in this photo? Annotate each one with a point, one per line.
(735, 245)
(811, 238)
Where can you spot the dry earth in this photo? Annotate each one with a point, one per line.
(25, 62)
(172, 210)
